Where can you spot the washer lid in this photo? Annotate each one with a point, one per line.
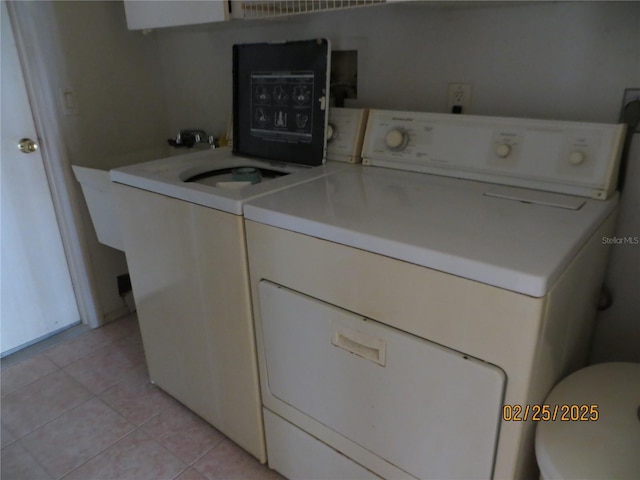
(604, 448)
(279, 100)
(168, 176)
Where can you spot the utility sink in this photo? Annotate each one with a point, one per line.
(96, 187)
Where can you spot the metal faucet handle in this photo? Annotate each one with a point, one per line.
(189, 137)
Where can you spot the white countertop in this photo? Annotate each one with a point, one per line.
(442, 223)
(166, 176)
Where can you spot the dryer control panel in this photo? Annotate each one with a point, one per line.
(558, 156)
(345, 134)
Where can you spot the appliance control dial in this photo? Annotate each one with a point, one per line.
(577, 158)
(396, 139)
(503, 150)
(332, 132)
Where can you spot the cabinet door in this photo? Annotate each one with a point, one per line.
(158, 14)
(190, 281)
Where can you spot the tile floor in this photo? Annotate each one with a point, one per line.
(83, 408)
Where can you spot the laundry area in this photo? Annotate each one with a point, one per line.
(359, 239)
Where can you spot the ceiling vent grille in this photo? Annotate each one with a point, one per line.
(255, 9)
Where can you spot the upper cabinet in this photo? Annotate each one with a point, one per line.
(158, 14)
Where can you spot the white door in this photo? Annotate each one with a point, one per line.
(36, 294)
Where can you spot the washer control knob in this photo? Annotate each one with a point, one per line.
(577, 158)
(396, 139)
(332, 132)
(503, 150)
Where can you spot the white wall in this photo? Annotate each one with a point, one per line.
(567, 61)
(113, 76)
(552, 60)
(617, 335)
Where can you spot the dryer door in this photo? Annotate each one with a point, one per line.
(430, 411)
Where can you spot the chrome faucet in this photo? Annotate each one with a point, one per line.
(188, 138)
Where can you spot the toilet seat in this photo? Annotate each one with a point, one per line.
(608, 447)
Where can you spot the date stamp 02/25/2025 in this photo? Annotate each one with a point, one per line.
(550, 413)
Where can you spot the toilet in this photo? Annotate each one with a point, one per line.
(593, 443)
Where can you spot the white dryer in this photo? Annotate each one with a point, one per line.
(412, 312)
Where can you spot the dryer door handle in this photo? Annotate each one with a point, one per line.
(359, 343)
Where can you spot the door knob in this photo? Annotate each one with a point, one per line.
(26, 145)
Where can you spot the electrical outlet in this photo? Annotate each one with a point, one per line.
(124, 284)
(459, 98)
(630, 94)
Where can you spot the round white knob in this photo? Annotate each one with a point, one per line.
(577, 157)
(396, 139)
(503, 150)
(332, 132)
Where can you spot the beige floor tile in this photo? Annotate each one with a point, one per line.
(77, 348)
(135, 457)
(135, 338)
(191, 474)
(78, 435)
(121, 328)
(228, 461)
(132, 351)
(6, 438)
(23, 373)
(52, 423)
(40, 402)
(18, 464)
(136, 398)
(183, 432)
(106, 366)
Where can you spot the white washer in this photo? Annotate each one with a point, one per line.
(205, 178)
(404, 317)
(186, 253)
(184, 234)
